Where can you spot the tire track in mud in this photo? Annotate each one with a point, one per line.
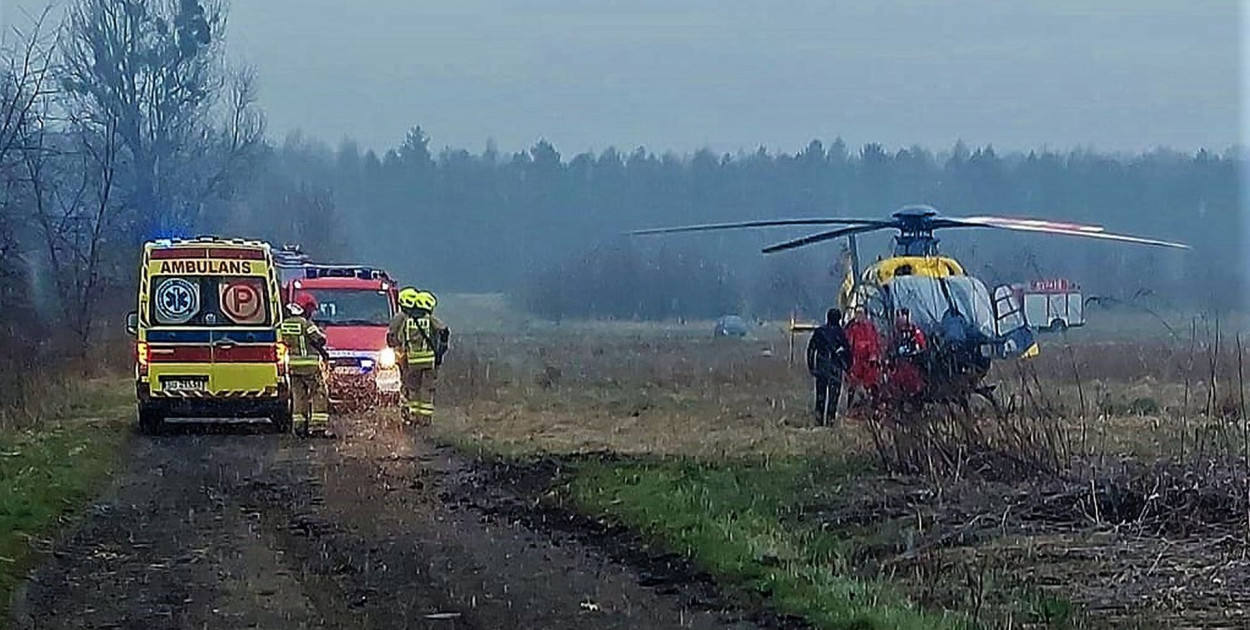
(220, 529)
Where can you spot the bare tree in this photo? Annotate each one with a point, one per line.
(185, 125)
(25, 86)
(72, 180)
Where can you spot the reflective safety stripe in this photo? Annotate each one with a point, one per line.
(268, 392)
(421, 358)
(305, 361)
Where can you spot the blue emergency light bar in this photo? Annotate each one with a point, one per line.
(347, 271)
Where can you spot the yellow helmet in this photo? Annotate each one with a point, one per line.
(408, 297)
(426, 301)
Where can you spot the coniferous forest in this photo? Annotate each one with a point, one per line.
(547, 228)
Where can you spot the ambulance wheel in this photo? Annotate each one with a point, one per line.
(1058, 325)
(281, 419)
(151, 421)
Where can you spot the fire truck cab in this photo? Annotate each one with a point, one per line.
(355, 305)
(1052, 304)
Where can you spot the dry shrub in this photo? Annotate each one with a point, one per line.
(1007, 434)
(963, 440)
(1168, 498)
(20, 382)
(37, 377)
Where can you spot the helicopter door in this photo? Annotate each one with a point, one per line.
(1015, 338)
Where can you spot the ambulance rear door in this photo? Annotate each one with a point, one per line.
(243, 338)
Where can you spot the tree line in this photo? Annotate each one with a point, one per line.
(547, 228)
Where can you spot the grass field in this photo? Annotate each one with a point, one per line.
(50, 468)
(708, 449)
(737, 520)
(1111, 493)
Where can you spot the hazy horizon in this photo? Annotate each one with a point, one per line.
(1121, 76)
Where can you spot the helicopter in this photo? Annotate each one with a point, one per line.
(931, 287)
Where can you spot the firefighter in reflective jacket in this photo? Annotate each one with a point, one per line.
(306, 351)
(419, 341)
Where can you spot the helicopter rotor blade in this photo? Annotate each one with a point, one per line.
(757, 224)
(1025, 223)
(1051, 227)
(826, 236)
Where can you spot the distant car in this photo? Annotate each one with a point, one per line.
(731, 326)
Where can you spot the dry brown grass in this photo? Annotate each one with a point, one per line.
(674, 393)
(675, 390)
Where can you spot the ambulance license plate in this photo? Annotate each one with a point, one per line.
(184, 384)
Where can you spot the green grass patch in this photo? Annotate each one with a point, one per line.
(736, 521)
(49, 471)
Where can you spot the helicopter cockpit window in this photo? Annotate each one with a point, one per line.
(973, 300)
(929, 298)
(874, 303)
(871, 299)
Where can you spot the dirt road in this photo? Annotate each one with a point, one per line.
(378, 529)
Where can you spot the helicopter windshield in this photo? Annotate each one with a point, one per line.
(929, 298)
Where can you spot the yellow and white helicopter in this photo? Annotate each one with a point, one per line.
(931, 286)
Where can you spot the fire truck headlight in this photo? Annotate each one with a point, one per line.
(386, 358)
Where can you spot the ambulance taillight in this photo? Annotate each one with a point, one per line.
(282, 356)
(143, 356)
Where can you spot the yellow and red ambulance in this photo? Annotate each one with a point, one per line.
(206, 334)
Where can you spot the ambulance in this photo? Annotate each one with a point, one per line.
(206, 334)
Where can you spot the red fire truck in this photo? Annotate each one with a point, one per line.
(355, 305)
(1051, 304)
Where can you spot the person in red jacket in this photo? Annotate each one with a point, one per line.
(909, 340)
(906, 379)
(865, 374)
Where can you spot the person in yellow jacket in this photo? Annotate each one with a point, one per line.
(305, 344)
(419, 340)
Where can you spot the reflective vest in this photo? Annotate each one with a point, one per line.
(300, 335)
(418, 334)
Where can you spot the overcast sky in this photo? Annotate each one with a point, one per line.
(730, 74)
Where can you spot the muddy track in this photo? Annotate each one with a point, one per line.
(375, 530)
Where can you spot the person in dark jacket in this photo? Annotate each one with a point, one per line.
(828, 357)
